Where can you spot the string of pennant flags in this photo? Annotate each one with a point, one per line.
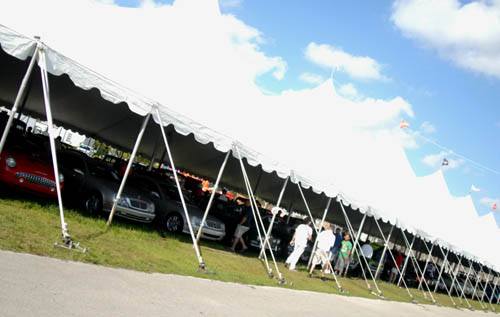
(405, 125)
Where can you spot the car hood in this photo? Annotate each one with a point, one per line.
(27, 163)
(194, 211)
(129, 191)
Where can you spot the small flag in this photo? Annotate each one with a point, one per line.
(474, 189)
(494, 206)
(445, 162)
(404, 124)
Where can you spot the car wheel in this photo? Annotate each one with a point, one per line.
(173, 223)
(93, 204)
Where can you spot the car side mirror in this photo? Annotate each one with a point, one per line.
(155, 194)
(78, 171)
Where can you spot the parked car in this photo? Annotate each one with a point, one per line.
(26, 166)
(94, 185)
(170, 216)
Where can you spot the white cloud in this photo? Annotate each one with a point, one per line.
(436, 160)
(358, 67)
(427, 127)
(228, 4)
(348, 90)
(311, 78)
(488, 201)
(466, 33)
(106, 1)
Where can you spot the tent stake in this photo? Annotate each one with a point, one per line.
(201, 263)
(212, 195)
(19, 97)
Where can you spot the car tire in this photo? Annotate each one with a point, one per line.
(173, 223)
(93, 203)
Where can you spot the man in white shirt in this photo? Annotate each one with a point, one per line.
(303, 233)
(326, 240)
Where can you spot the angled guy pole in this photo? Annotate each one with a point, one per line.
(386, 240)
(440, 278)
(127, 170)
(427, 260)
(381, 262)
(212, 195)
(405, 265)
(270, 228)
(201, 263)
(258, 219)
(19, 97)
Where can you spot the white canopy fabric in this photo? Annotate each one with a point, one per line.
(346, 148)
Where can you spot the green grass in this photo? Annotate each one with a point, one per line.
(31, 227)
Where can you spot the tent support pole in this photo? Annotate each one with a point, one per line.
(493, 292)
(152, 162)
(441, 270)
(474, 293)
(416, 267)
(258, 220)
(403, 271)
(354, 251)
(66, 238)
(271, 224)
(485, 285)
(320, 228)
(382, 257)
(201, 263)
(311, 268)
(427, 260)
(212, 195)
(129, 167)
(466, 279)
(386, 241)
(307, 208)
(454, 280)
(359, 252)
(19, 97)
(440, 277)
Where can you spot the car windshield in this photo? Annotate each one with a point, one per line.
(102, 171)
(171, 191)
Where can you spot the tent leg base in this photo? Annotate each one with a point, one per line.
(281, 281)
(69, 244)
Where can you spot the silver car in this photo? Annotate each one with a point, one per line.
(170, 216)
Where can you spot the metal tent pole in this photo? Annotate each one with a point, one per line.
(416, 267)
(392, 256)
(485, 284)
(307, 208)
(201, 263)
(271, 224)
(381, 262)
(466, 279)
(426, 261)
(361, 256)
(455, 277)
(129, 167)
(258, 218)
(494, 290)
(19, 97)
(440, 277)
(320, 230)
(403, 271)
(212, 195)
(445, 260)
(66, 238)
(474, 293)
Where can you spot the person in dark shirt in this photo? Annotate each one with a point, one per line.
(247, 221)
(336, 247)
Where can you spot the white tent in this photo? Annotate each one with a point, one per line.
(344, 147)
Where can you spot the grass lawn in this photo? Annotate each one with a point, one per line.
(31, 227)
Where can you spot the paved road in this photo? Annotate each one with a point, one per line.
(39, 286)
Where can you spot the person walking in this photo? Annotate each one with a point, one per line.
(336, 246)
(247, 220)
(303, 233)
(344, 256)
(326, 240)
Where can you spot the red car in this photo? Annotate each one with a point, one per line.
(26, 166)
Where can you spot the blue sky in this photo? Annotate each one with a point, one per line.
(461, 103)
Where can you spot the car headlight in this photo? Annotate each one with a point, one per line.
(123, 202)
(11, 162)
(196, 221)
(151, 208)
(61, 178)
